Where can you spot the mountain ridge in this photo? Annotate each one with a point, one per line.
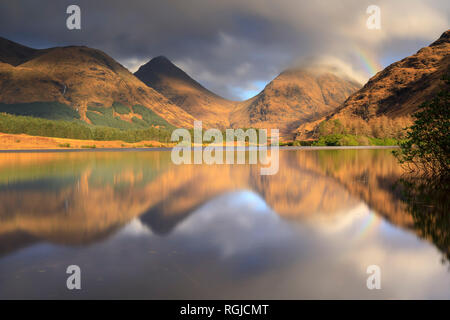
(182, 90)
(283, 107)
(14, 53)
(79, 77)
(396, 91)
(296, 95)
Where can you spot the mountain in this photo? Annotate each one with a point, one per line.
(172, 82)
(398, 90)
(14, 54)
(296, 96)
(80, 82)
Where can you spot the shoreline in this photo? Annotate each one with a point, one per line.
(305, 148)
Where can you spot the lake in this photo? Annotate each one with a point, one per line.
(142, 227)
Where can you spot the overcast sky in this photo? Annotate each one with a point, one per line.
(234, 47)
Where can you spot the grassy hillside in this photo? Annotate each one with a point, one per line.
(150, 118)
(381, 131)
(354, 140)
(104, 116)
(139, 117)
(76, 76)
(46, 110)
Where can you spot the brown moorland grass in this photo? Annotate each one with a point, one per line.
(25, 142)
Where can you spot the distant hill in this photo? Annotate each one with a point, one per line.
(14, 54)
(296, 96)
(80, 82)
(172, 82)
(397, 91)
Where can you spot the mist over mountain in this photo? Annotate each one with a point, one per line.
(296, 96)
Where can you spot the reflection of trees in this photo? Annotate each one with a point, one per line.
(407, 201)
(427, 201)
(369, 175)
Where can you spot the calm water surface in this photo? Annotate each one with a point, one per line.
(141, 227)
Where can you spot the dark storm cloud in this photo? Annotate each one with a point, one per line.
(229, 46)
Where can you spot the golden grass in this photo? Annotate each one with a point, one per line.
(25, 142)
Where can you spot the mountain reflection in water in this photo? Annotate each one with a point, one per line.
(323, 214)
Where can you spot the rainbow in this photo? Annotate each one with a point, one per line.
(371, 66)
(371, 222)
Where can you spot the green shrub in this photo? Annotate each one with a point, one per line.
(329, 140)
(348, 140)
(426, 148)
(303, 143)
(378, 127)
(384, 141)
(331, 127)
(106, 118)
(101, 116)
(139, 122)
(100, 109)
(120, 108)
(150, 117)
(353, 140)
(43, 127)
